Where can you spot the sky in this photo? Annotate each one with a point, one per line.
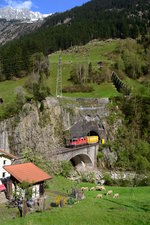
(43, 6)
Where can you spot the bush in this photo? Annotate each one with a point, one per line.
(108, 180)
(99, 155)
(40, 92)
(71, 201)
(123, 183)
(78, 88)
(143, 182)
(91, 177)
(66, 168)
(117, 182)
(84, 177)
(88, 177)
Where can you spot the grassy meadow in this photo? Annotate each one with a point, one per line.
(95, 51)
(131, 208)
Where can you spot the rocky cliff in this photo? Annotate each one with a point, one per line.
(43, 126)
(37, 126)
(10, 30)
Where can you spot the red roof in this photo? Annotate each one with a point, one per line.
(8, 154)
(27, 172)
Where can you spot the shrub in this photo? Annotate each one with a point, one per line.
(88, 177)
(91, 177)
(84, 177)
(71, 201)
(108, 180)
(144, 182)
(20, 96)
(78, 88)
(100, 155)
(123, 183)
(66, 168)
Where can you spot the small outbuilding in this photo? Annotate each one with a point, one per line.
(26, 173)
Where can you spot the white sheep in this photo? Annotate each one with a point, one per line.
(100, 188)
(103, 188)
(84, 188)
(116, 195)
(92, 189)
(99, 196)
(109, 192)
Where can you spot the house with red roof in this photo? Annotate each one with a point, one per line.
(5, 160)
(26, 173)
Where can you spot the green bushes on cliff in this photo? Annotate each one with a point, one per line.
(132, 142)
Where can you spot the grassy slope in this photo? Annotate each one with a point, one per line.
(92, 52)
(132, 208)
(7, 89)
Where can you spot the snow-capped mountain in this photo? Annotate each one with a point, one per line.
(9, 14)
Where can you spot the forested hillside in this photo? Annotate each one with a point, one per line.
(97, 19)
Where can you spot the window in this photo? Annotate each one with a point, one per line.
(3, 174)
(4, 162)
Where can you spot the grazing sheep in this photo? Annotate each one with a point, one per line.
(116, 195)
(103, 188)
(92, 189)
(84, 189)
(99, 196)
(109, 192)
(100, 188)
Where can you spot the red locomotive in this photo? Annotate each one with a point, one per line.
(83, 141)
(78, 141)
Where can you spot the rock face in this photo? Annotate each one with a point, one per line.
(10, 30)
(37, 127)
(43, 126)
(84, 117)
(15, 23)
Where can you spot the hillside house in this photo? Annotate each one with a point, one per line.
(26, 173)
(5, 160)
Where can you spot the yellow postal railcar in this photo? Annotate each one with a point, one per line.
(92, 139)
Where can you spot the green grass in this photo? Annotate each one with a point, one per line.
(137, 87)
(7, 89)
(131, 208)
(92, 52)
(7, 92)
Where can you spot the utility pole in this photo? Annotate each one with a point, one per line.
(59, 78)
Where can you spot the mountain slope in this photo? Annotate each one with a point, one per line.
(20, 14)
(18, 22)
(97, 19)
(10, 30)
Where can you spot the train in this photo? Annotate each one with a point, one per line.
(84, 141)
